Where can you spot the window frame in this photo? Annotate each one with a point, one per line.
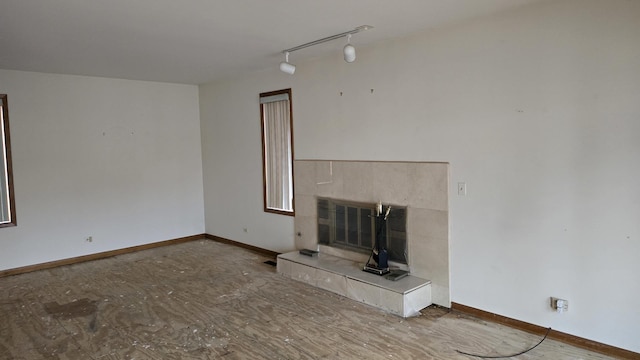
(265, 189)
(5, 138)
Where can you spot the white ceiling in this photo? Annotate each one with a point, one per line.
(197, 41)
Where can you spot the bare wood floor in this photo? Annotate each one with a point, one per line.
(207, 300)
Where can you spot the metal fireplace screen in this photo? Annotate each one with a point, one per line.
(351, 226)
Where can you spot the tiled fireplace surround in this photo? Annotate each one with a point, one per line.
(420, 186)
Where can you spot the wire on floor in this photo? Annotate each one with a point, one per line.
(506, 356)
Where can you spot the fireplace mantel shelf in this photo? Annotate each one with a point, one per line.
(405, 297)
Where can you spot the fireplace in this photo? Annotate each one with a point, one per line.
(418, 189)
(352, 226)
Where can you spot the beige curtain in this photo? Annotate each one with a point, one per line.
(278, 157)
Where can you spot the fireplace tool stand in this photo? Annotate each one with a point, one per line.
(379, 254)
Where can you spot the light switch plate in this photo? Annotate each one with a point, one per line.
(462, 188)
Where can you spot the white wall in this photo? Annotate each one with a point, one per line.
(114, 159)
(536, 109)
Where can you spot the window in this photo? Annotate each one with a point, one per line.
(277, 151)
(7, 202)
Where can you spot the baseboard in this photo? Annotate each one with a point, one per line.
(107, 254)
(242, 245)
(553, 334)
(96, 256)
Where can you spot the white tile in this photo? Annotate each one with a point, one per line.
(306, 232)
(391, 182)
(429, 187)
(359, 182)
(363, 292)
(391, 302)
(428, 223)
(306, 205)
(441, 295)
(329, 182)
(416, 300)
(430, 259)
(333, 282)
(323, 171)
(283, 267)
(303, 273)
(304, 180)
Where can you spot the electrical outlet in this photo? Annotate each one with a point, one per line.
(559, 305)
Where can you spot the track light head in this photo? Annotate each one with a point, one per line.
(349, 51)
(286, 67)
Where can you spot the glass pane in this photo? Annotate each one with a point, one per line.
(324, 234)
(341, 226)
(352, 223)
(397, 249)
(366, 235)
(397, 220)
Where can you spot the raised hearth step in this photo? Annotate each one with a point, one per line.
(405, 297)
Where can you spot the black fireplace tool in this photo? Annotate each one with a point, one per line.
(379, 254)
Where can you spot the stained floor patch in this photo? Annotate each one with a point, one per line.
(74, 309)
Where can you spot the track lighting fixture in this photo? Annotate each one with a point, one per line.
(285, 66)
(349, 51)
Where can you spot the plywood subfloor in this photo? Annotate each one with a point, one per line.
(207, 300)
